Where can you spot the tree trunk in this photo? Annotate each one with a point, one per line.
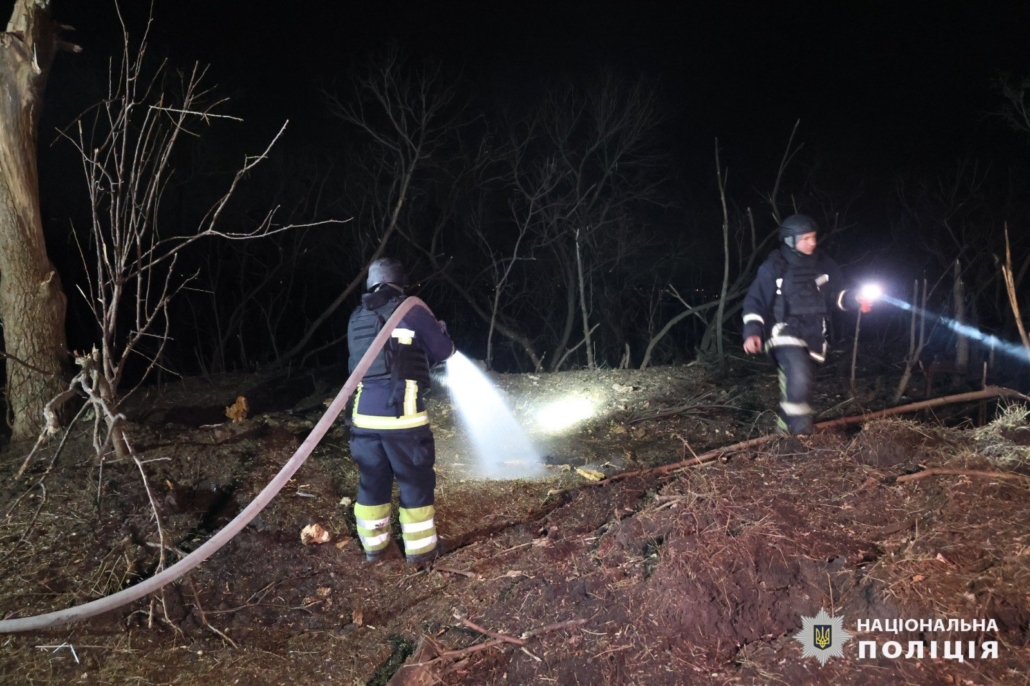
(570, 310)
(32, 303)
(962, 342)
(719, 316)
(583, 306)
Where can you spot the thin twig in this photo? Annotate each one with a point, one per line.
(203, 617)
(941, 471)
(35, 516)
(491, 634)
(57, 452)
(449, 654)
(22, 362)
(153, 505)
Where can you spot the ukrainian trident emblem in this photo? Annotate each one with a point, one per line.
(822, 636)
(817, 637)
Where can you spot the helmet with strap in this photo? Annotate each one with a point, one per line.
(796, 225)
(385, 270)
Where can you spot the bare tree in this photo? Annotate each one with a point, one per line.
(408, 111)
(721, 176)
(952, 212)
(588, 157)
(1016, 109)
(1010, 289)
(605, 144)
(32, 302)
(915, 344)
(126, 144)
(730, 292)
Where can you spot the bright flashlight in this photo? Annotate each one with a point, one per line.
(870, 292)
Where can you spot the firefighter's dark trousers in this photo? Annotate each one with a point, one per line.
(407, 455)
(796, 369)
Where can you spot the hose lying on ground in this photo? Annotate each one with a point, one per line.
(212, 545)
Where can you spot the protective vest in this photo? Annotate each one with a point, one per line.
(402, 358)
(797, 291)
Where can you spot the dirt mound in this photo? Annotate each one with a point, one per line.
(898, 443)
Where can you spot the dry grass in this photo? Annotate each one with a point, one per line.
(1006, 439)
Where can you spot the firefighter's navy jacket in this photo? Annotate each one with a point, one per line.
(787, 303)
(392, 393)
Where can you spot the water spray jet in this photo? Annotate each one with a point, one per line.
(502, 449)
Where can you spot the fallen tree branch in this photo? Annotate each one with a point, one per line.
(465, 652)
(717, 453)
(448, 570)
(448, 654)
(985, 394)
(942, 471)
(491, 634)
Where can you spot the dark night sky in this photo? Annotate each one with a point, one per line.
(903, 82)
(880, 87)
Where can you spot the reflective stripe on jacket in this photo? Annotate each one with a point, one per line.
(801, 323)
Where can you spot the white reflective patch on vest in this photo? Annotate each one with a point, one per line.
(378, 423)
(415, 527)
(372, 524)
(419, 544)
(796, 409)
(821, 280)
(410, 398)
(403, 336)
(779, 286)
(753, 318)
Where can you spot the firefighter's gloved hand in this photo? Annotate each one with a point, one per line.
(867, 295)
(864, 304)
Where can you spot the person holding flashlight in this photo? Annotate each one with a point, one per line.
(786, 308)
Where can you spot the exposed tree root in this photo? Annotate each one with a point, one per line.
(942, 471)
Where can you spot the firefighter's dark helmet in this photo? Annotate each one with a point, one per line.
(385, 270)
(797, 225)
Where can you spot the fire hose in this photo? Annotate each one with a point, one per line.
(215, 543)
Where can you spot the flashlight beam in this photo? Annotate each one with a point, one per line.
(1011, 349)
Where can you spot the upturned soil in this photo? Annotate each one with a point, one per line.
(700, 574)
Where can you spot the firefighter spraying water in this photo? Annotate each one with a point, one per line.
(391, 439)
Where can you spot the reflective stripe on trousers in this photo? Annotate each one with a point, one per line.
(418, 529)
(373, 524)
(795, 373)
